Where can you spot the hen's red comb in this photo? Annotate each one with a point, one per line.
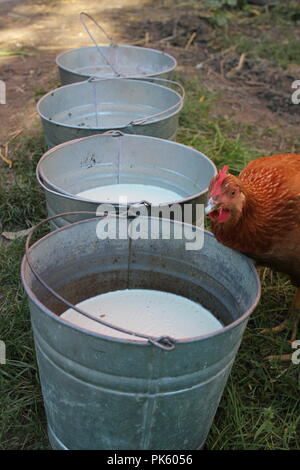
(219, 179)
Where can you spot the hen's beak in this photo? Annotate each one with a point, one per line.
(210, 206)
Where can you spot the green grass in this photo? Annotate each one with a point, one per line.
(21, 200)
(219, 138)
(22, 420)
(285, 13)
(281, 52)
(259, 408)
(270, 33)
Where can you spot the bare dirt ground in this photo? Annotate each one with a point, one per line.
(37, 31)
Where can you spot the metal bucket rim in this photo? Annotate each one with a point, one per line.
(66, 195)
(57, 318)
(122, 46)
(158, 119)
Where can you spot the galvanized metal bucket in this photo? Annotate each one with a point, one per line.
(113, 60)
(115, 158)
(77, 65)
(98, 105)
(103, 392)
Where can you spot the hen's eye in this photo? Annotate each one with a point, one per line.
(232, 193)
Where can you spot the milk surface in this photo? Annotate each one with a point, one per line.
(150, 312)
(133, 193)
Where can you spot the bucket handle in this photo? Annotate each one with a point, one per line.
(163, 342)
(112, 43)
(139, 121)
(174, 106)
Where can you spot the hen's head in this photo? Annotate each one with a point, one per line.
(225, 197)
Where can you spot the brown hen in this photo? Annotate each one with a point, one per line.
(258, 214)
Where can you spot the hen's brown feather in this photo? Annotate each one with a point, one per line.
(269, 227)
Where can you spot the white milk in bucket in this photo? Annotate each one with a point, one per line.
(130, 192)
(150, 312)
